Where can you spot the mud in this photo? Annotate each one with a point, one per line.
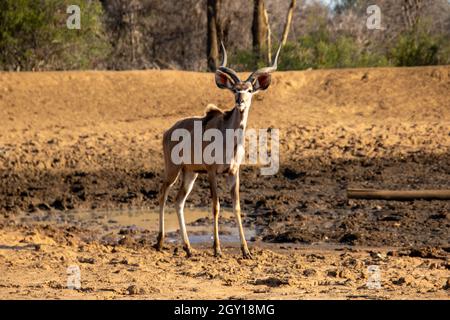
(304, 202)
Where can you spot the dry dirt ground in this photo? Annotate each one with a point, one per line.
(91, 141)
(34, 262)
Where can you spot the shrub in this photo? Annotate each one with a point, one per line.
(34, 36)
(419, 48)
(318, 50)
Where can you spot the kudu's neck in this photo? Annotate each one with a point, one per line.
(238, 119)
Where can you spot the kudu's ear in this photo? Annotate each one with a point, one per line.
(261, 81)
(223, 81)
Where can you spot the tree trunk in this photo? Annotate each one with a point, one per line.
(287, 25)
(269, 38)
(212, 42)
(259, 28)
(411, 12)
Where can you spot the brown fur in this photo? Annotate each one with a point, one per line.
(213, 111)
(242, 86)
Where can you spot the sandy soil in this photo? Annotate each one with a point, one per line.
(91, 141)
(34, 261)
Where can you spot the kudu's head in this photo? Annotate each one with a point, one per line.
(227, 78)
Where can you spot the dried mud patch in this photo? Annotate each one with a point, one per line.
(120, 271)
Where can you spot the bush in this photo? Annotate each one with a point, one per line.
(419, 48)
(34, 36)
(318, 50)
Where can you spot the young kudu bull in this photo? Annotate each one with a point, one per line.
(222, 122)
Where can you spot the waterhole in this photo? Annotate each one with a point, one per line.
(199, 223)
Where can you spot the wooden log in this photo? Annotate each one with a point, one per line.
(399, 195)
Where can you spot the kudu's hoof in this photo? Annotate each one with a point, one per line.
(158, 246)
(246, 254)
(218, 253)
(189, 252)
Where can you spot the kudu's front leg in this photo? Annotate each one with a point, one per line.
(233, 182)
(215, 209)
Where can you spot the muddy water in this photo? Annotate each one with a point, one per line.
(105, 224)
(109, 227)
(198, 223)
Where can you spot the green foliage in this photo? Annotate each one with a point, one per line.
(34, 35)
(244, 60)
(419, 48)
(319, 50)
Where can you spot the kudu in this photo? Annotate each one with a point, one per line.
(234, 119)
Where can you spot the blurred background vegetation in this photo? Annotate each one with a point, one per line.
(172, 34)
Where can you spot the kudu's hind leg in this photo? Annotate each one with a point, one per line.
(164, 191)
(215, 209)
(187, 182)
(233, 183)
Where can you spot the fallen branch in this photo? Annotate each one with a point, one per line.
(399, 195)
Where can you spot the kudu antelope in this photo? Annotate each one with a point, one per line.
(234, 119)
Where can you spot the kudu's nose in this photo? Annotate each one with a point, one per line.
(239, 100)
